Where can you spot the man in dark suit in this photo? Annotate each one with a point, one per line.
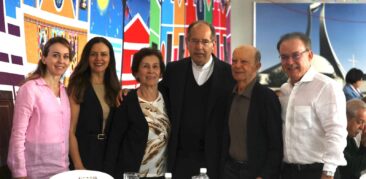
(197, 89)
(354, 154)
(253, 135)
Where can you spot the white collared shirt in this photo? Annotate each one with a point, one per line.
(314, 121)
(202, 73)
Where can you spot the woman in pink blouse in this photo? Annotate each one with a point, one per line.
(39, 143)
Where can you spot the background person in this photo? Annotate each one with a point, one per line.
(353, 83)
(140, 130)
(354, 154)
(39, 143)
(92, 90)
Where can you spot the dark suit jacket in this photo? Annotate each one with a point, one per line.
(173, 84)
(127, 139)
(264, 133)
(356, 160)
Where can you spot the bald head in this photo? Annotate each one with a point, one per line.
(245, 63)
(249, 50)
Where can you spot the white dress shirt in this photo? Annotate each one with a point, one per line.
(314, 121)
(202, 73)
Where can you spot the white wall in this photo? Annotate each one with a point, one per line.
(241, 22)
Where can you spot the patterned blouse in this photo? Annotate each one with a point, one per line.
(154, 161)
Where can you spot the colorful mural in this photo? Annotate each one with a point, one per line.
(26, 25)
(129, 25)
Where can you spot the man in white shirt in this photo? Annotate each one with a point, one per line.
(313, 114)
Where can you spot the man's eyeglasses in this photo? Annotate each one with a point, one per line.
(204, 42)
(294, 56)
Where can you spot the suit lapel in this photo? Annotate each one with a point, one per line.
(178, 89)
(252, 116)
(214, 89)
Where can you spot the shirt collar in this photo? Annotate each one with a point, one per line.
(41, 82)
(308, 76)
(248, 90)
(204, 67)
(354, 89)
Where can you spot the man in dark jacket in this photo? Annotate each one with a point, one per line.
(253, 137)
(355, 154)
(197, 88)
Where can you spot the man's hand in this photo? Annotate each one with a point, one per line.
(326, 177)
(363, 136)
(259, 178)
(121, 93)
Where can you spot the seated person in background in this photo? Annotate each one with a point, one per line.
(139, 132)
(355, 156)
(353, 83)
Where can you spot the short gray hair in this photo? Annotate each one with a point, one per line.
(353, 106)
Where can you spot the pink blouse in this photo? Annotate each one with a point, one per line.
(39, 144)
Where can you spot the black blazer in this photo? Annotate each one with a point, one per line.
(127, 139)
(356, 160)
(264, 133)
(173, 85)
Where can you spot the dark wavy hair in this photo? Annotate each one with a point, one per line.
(80, 77)
(41, 67)
(141, 54)
(354, 75)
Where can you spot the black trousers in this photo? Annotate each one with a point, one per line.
(307, 171)
(187, 166)
(236, 170)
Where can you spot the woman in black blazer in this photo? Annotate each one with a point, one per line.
(92, 90)
(139, 132)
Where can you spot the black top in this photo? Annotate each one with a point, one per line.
(90, 122)
(192, 129)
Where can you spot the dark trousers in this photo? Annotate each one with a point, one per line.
(307, 171)
(236, 170)
(187, 166)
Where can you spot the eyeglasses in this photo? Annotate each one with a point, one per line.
(294, 56)
(204, 42)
